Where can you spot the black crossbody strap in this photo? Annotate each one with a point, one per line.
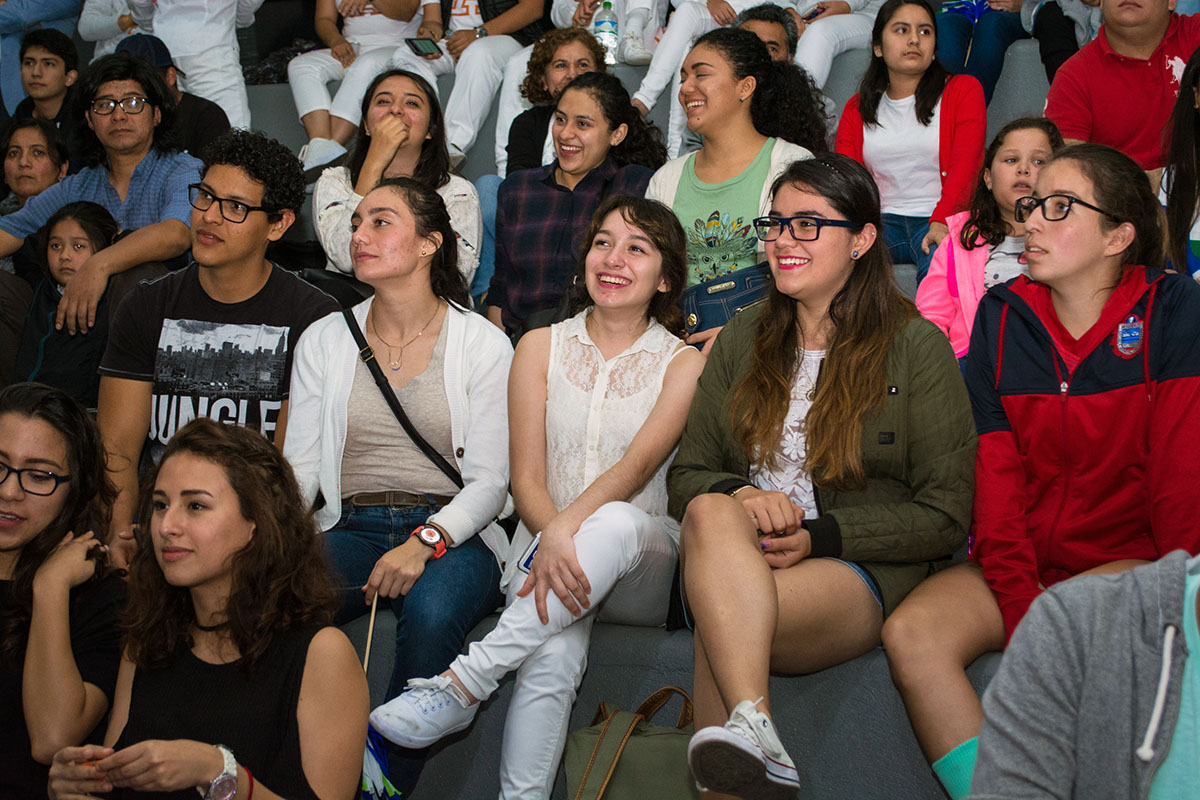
(367, 355)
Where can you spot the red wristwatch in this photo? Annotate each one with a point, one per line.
(430, 536)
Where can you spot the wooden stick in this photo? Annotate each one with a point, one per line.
(370, 633)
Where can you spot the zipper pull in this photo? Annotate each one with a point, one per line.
(1062, 387)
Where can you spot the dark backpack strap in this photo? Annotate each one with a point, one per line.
(367, 355)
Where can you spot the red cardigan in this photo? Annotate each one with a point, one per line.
(960, 141)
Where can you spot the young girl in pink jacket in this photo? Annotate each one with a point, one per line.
(985, 245)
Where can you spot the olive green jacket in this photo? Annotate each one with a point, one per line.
(918, 452)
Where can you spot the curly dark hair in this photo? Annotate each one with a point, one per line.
(661, 225)
(88, 505)
(786, 104)
(643, 143)
(124, 67)
(56, 148)
(533, 88)
(985, 226)
(266, 161)
(97, 223)
(429, 211)
(875, 79)
(279, 580)
(433, 166)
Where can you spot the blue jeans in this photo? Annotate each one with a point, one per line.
(977, 49)
(903, 236)
(488, 186)
(454, 593)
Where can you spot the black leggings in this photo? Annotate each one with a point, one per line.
(1055, 34)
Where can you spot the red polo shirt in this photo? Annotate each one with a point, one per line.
(1101, 96)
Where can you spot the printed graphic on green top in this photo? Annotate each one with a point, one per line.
(719, 244)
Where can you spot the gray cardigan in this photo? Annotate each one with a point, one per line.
(1088, 694)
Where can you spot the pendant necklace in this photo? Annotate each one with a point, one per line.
(394, 364)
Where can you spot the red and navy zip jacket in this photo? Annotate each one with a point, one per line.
(1082, 442)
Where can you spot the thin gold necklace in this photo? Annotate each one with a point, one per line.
(394, 364)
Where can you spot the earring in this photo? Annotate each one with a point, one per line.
(423, 252)
(854, 255)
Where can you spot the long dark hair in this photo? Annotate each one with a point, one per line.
(123, 66)
(279, 579)
(99, 226)
(1122, 190)
(867, 314)
(660, 224)
(875, 79)
(433, 165)
(786, 104)
(429, 211)
(1183, 164)
(985, 226)
(88, 505)
(643, 142)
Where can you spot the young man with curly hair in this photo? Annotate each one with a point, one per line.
(215, 339)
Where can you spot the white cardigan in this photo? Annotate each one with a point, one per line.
(334, 203)
(665, 182)
(478, 355)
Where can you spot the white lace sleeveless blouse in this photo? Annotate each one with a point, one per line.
(594, 408)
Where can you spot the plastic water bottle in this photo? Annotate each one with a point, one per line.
(604, 26)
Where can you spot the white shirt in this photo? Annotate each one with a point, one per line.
(902, 155)
(789, 475)
(464, 16)
(190, 27)
(1004, 262)
(372, 29)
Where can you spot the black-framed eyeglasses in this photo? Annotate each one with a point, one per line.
(232, 210)
(803, 227)
(130, 105)
(1054, 207)
(34, 481)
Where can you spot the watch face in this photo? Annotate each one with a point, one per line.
(429, 536)
(223, 788)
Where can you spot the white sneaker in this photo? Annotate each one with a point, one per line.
(427, 710)
(319, 152)
(632, 50)
(743, 758)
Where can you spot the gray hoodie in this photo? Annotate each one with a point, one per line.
(1088, 694)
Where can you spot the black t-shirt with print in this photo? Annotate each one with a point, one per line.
(228, 361)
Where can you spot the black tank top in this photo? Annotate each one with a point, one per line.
(253, 714)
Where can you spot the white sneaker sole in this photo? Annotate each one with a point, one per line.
(382, 721)
(724, 762)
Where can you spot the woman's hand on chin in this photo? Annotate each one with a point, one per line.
(68, 565)
(74, 774)
(556, 567)
(156, 765)
(398, 570)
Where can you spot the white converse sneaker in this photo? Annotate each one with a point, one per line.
(743, 758)
(632, 50)
(427, 710)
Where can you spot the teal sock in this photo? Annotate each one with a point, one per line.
(955, 768)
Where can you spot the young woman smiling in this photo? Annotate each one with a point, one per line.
(1083, 382)
(233, 681)
(823, 473)
(594, 523)
(918, 130)
(59, 643)
(402, 135)
(410, 535)
(756, 117)
(986, 243)
(604, 148)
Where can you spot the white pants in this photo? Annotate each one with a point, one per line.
(511, 104)
(216, 75)
(629, 558)
(477, 76)
(308, 74)
(826, 39)
(690, 21)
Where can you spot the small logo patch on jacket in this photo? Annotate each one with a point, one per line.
(887, 437)
(1129, 337)
(893, 390)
